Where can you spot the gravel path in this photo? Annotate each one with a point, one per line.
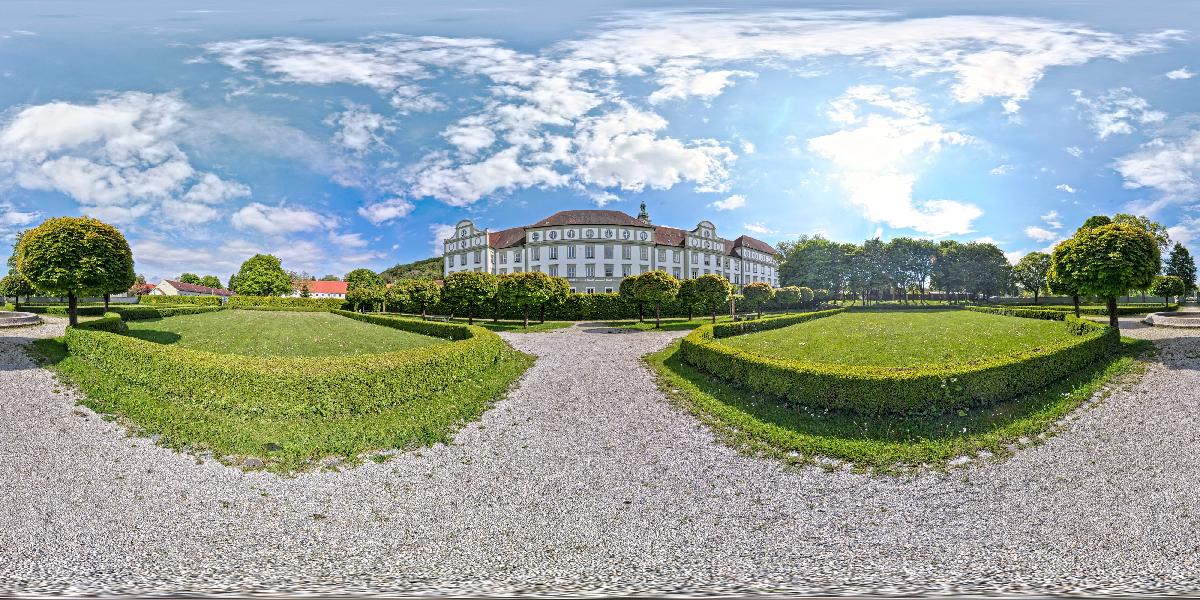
(585, 479)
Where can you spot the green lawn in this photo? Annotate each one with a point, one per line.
(762, 425)
(900, 338)
(276, 333)
(502, 324)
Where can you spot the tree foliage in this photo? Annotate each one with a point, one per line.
(1108, 261)
(14, 285)
(789, 295)
(421, 293)
(190, 278)
(654, 288)
(75, 256)
(210, 281)
(1032, 272)
(528, 289)
(469, 290)
(757, 294)
(1181, 264)
(1167, 286)
(711, 292)
(261, 275)
(362, 278)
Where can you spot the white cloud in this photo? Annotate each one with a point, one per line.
(1075, 151)
(1117, 110)
(603, 199)
(440, 232)
(359, 129)
(13, 220)
(1001, 170)
(1186, 231)
(1169, 166)
(347, 240)
(759, 229)
(1040, 234)
(1062, 187)
(382, 213)
(1052, 220)
(681, 79)
(748, 147)
(1180, 73)
(118, 158)
(877, 160)
(733, 202)
(277, 220)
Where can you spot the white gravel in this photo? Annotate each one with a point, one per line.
(587, 480)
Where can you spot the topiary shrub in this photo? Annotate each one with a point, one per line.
(156, 300)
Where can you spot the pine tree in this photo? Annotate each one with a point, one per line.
(1181, 264)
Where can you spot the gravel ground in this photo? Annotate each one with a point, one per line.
(587, 480)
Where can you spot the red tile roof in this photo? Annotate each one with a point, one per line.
(198, 289)
(321, 287)
(589, 217)
(669, 236)
(507, 238)
(754, 244)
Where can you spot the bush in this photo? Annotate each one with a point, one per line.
(110, 322)
(286, 387)
(724, 330)
(1048, 314)
(180, 300)
(281, 303)
(61, 310)
(877, 390)
(1099, 311)
(137, 313)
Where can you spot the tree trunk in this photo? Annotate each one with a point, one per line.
(470, 314)
(526, 316)
(658, 316)
(641, 313)
(691, 310)
(496, 311)
(72, 306)
(422, 311)
(542, 314)
(760, 304)
(385, 306)
(1112, 312)
(1035, 297)
(106, 303)
(714, 314)
(1075, 299)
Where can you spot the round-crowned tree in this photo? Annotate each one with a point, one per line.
(261, 275)
(210, 281)
(469, 290)
(1032, 272)
(1108, 261)
(190, 278)
(1167, 286)
(560, 291)
(1061, 283)
(628, 293)
(421, 293)
(15, 285)
(362, 278)
(711, 292)
(788, 296)
(656, 287)
(687, 296)
(74, 256)
(527, 289)
(757, 294)
(807, 296)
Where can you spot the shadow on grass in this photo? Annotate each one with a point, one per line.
(767, 425)
(154, 335)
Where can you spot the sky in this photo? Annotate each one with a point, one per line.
(357, 133)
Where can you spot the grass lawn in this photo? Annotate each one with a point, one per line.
(276, 333)
(502, 325)
(884, 444)
(902, 338)
(680, 323)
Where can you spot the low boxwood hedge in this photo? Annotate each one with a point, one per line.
(723, 330)
(284, 387)
(61, 310)
(291, 304)
(110, 322)
(877, 390)
(137, 313)
(156, 299)
(1027, 313)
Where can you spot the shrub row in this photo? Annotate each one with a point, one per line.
(136, 313)
(110, 322)
(1102, 311)
(156, 299)
(589, 307)
(878, 390)
(1027, 313)
(284, 387)
(279, 303)
(724, 330)
(62, 310)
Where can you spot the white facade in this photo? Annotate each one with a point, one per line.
(594, 250)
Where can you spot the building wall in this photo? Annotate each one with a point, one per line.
(598, 257)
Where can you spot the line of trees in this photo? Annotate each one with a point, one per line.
(211, 281)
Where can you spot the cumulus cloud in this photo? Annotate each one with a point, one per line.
(731, 203)
(118, 158)
(277, 220)
(1062, 187)
(1116, 111)
(1000, 170)
(440, 232)
(877, 159)
(1052, 220)
(387, 211)
(759, 228)
(1040, 234)
(1170, 166)
(1180, 73)
(1075, 151)
(359, 129)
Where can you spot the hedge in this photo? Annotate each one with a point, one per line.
(136, 313)
(878, 390)
(1102, 311)
(284, 387)
(62, 310)
(110, 322)
(724, 330)
(1027, 313)
(180, 300)
(281, 303)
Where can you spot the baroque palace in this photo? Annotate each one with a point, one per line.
(595, 249)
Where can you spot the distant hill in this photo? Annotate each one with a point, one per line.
(430, 268)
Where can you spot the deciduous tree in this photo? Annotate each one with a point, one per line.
(711, 292)
(73, 256)
(788, 296)
(1167, 286)
(757, 294)
(1032, 272)
(527, 289)
(362, 278)
(261, 275)
(1108, 261)
(421, 293)
(1181, 264)
(469, 290)
(15, 285)
(656, 287)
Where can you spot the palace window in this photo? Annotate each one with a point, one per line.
(676, 272)
(536, 268)
(571, 251)
(570, 270)
(626, 270)
(695, 273)
(589, 251)
(516, 256)
(707, 260)
(675, 255)
(662, 255)
(589, 290)
(535, 253)
(589, 270)
(554, 270)
(644, 253)
(504, 271)
(462, 260)
(478, 256)
(553, 252)
(503, 257)
(608, 270)
(695, 258)
(608, 290)
(608, 251)
(626, 252)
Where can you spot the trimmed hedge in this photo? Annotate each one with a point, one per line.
(724, 330)
(137, 313)
(1102, 311)
(62, 310)
(284, 387)
(280, 303)
(878, 390)
(1027, 313)
(110, 322)
(180, 300)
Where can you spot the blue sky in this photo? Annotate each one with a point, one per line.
(338, 136)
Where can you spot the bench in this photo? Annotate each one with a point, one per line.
(439, 318)
(746, 317)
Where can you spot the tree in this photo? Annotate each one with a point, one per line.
(815, 262)
(331, 278)
(559, 292)
(1167, 286)
(422, 293)
(1182, 265)
(397, 296)
(304, 293)
(1157, 230)
(1032, 272)
(807, 296)
(15, 285)
(527, 289)
(1094, 222)
(986, 270)
(909, 262)
(758, 293)
(789, 295)
(469, 289)
(190, 278)
(711, 292)
(210, 281)
(1108, 261)
(628, 292)
(687, 296)
(74, 256)
(261, 275)
(656, 287)
(362, 278)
